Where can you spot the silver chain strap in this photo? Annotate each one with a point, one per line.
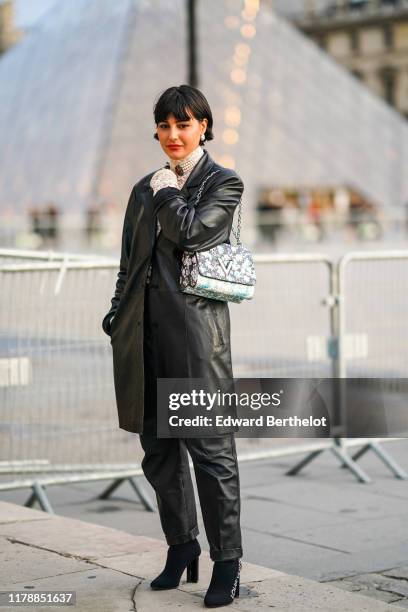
(239, 222)
(234, 586)
(198, 196)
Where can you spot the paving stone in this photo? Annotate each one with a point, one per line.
(345, 585)
(300, 595)
(97, 590)
(379, 586)
(358, 563)
(402, 603)
(293, 556)
(369, 579)
(111, 589)
(341, 501)
(378, 594)
(72, 537)
(17, 560)
(400, 587)
(383, 583)
(147, 600)
(277, 517)
(356, 536)
(11, 513)
(293, 594)
(398, 572)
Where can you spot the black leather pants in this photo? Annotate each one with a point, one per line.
(165, 465)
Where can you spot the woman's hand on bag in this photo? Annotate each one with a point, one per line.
(163, 178)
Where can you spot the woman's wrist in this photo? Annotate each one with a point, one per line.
(163, 178)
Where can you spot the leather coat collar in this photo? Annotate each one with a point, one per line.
(198, 173)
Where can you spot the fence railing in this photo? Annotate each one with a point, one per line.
(58, 410)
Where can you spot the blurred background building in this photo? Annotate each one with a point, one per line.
(323, 154)
(9, 33)
(369, 38)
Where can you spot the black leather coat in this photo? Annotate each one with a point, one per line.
(191, 333)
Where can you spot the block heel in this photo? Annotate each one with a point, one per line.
(192, 570)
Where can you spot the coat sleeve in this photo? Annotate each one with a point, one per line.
(127, 233)
(201, 227)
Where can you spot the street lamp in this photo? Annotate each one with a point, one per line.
(192, 78)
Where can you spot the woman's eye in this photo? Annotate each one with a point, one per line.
(163, 126)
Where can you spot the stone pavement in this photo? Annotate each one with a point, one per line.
(321, 525)
(110, 571)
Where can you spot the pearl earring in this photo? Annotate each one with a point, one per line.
(202, 137)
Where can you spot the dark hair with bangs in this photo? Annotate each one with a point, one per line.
(177, 100)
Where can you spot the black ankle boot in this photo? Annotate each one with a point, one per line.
(179, 557)
(224, 585)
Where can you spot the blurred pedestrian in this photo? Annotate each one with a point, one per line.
(50, 222)
(93, 224)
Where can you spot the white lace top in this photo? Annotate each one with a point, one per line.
(167, 177)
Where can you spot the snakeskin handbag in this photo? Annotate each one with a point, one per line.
(225, 272)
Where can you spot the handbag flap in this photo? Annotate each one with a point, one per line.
(227, 262)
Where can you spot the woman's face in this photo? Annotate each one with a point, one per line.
(179, 138)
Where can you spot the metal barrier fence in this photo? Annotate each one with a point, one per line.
(280, 332)
(374, 283)
(56, 385)
(8, 256)
(369, 304)
(58, 409)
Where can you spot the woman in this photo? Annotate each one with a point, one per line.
(159, 332)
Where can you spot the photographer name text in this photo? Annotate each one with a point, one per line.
(259, 421)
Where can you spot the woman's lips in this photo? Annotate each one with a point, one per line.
(174, 146)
